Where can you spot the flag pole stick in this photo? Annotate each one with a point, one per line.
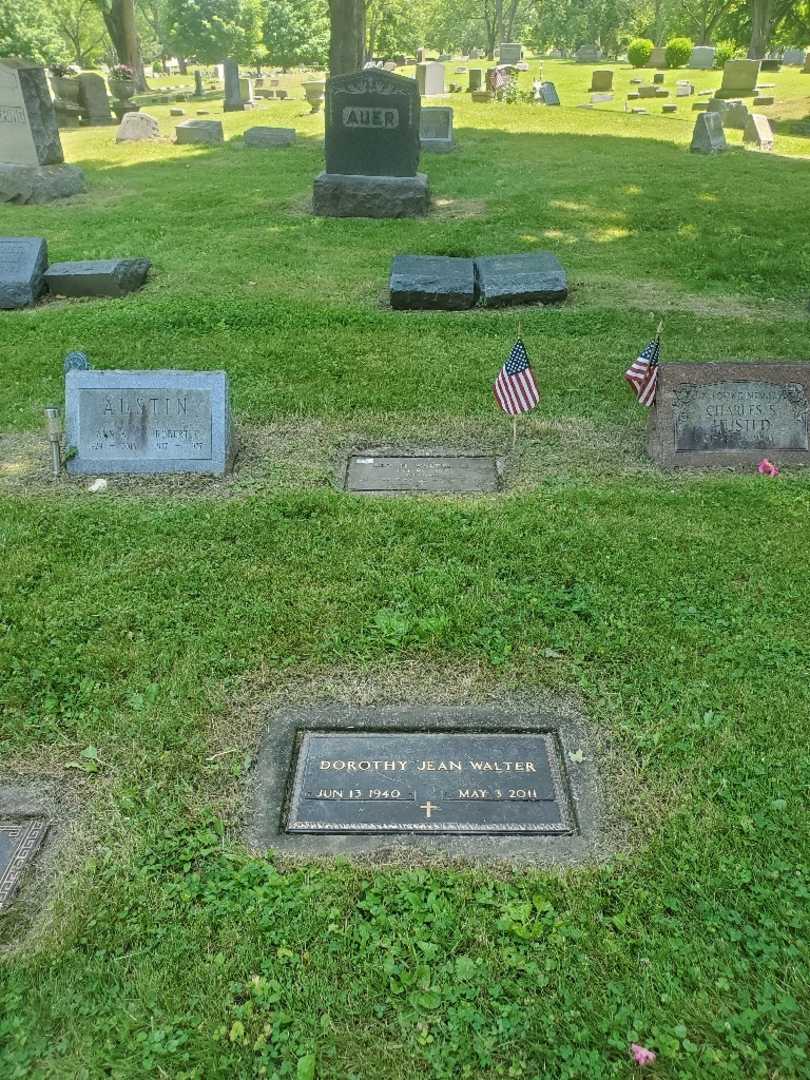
(514, 418)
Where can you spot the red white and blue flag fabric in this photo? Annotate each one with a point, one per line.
(515, 389)
(643, 373)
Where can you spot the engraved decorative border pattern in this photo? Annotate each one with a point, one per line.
(561, 797)
(29, 834)
(371, 83)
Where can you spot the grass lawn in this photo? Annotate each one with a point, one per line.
(147, 635)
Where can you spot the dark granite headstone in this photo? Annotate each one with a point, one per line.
(23, 261)
(371, 473)
(372, 124)
(549, 93)
(233, 97)
(720, 415)
(20, 838)
(432, 281)
(521, 279)
(148, 422)
(441, 782)
(97, 277)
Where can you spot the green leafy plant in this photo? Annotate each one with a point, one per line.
(678, 51)
(639, 51)
(726, 50)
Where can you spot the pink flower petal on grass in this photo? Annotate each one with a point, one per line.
(767, 468)
(641, 1055)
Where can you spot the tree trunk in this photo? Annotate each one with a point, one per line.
(498, 22)
(119, 19)
(347, 41)
(183, 65)
(761, 25)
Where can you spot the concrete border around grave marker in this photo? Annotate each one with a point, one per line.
(672, 376)
(273, 776)
(52, 803)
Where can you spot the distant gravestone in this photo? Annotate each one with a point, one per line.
(475, 79)
(708, 136)
(136, 127)
(148, 422)
(806, 68)
(548, 92)
(648, 91)
(510, 52)
(94, 100)
(771, 65)
(20, 839)
(199, 132)
(726, 414)
(432, 281)
(658, 57)
(739, 78)
(521, 279)
(684, 89)
(601, 80)
(793, 57)
(266, 138)
(758, 132)
(23, 261)
(588, 54)
(246, 93)
(371, 148)
(702, 58)
(435, 473)
(198, 84)
(601, 99)
(430, 79)
(658, 78)
(436, 129)
(233, 97)
(97, 277)
(764, 99)
(669, 108)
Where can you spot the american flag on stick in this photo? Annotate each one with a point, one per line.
(515, 389)
(642, 375)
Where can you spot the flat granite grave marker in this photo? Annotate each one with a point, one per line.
(97, 277)
(381, 473)
(148, 422)
(23, 261)
(474, 782)
(199, 133)
(726, 414)
(20, 839)
(432, 281)
(371, 148)
(266, 138)
(521, 279)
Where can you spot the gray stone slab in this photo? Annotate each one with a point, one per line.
(521, 279)
(97, 277)
(29, 135)
(708, 136)
(139, 126)
(233, 98)
(733, 112)
(436, 129)
(23, 260)
(267, 138)
(476, 783)
(148, 422)
(432, 281)
(430, 79)
(94, 100)
(548, 92)
(380, 473)
(372, 124)
(702, 58)
(40, 183)
(740, 78)
(338, 195)
(758, 132)
(728, 414)
(601, 99)
(601, 80)
(20, 839)
(510, 52)
(200, 132)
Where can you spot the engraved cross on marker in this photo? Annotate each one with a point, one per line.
(427, 807)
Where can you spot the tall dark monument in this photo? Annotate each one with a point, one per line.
(372, 148)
